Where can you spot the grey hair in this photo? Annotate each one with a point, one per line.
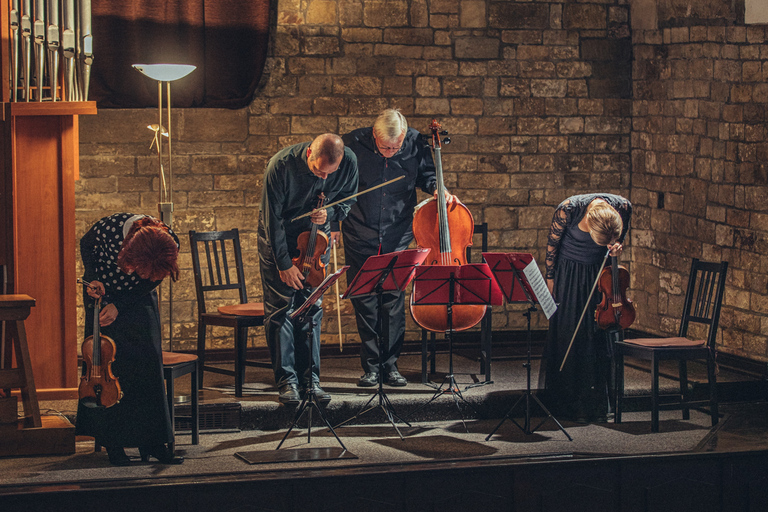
(390, 125)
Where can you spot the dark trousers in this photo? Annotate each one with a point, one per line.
(368, 325)
(287, 340)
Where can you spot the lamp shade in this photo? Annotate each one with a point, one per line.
(165, 72)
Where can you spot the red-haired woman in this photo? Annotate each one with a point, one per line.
(125, 257)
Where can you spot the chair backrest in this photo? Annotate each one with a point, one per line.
(480, 229)
(704, 297)
(222, 267)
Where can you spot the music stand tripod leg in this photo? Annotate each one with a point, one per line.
(310, 398)
(384, 402)
(526, 428)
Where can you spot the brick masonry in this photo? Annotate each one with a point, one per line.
(542, 100)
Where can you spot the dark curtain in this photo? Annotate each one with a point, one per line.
(226, 39)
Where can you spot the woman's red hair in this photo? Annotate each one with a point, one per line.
(150, 251)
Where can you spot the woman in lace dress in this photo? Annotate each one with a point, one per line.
(584, 227)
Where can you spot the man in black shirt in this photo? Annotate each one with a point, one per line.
(381, 222)
(294, 179)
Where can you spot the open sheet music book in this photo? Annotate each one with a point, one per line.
(520, 279)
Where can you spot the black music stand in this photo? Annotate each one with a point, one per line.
(305, 314)
(384, 273)
(449, 285)
(508, 270)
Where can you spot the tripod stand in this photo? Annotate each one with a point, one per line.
(513, 272)
(305, 314)
(450, 285)
(379, 274)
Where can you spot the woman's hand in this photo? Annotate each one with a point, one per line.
(615, 249)
(95, 289)
(107, 315)
(551, 286)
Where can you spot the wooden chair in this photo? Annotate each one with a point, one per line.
(223, 270)
(176, 364)
(428, 338)
(706, 285)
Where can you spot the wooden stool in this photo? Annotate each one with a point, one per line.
(14, 309)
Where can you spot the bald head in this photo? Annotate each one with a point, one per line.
(324, 154)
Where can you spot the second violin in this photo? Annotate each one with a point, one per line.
(615, 310)
(312, 245)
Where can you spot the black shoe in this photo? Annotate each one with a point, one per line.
(368, 380)
(161, 453)
(395, 379)
(289, 394)
(321, 395)
(117, 457)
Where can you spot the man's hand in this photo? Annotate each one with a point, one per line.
(107, 315)
(449, 198)
(319, 216)
(335, 238)
(293, 277)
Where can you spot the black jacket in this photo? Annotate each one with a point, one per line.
(385, 216)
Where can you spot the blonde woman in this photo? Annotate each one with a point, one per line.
(584, 227)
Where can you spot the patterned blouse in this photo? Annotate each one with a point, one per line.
(99, 248)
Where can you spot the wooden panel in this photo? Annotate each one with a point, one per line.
(39, 152)
(43, 254)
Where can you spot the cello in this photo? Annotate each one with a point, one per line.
(312, 245)
(447, 232)
(99, 388)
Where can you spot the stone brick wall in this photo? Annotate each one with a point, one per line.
(536, 96)
(699, 166)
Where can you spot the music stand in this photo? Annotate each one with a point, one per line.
(509, 271)
(449, 285)
(305, 314)
(384, 273)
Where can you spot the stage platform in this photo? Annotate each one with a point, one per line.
(443, 462)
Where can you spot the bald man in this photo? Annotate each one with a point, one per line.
(293, 180)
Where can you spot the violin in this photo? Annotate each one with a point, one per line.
(98, 386)
(446, 232)
(312, 245)
(615, 310)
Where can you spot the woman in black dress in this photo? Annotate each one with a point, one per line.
(584, 227)
(125, 257)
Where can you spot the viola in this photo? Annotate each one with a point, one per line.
(312, 245)
(447, 232)
(615, 310)
(98, 386)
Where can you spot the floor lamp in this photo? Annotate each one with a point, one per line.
(165, 73)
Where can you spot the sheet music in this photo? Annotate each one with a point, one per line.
(539, 286)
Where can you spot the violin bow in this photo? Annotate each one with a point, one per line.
(338, 297)
(348, 198)
(565, 357)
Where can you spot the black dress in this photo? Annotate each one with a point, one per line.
(141, 418)
(580, 390)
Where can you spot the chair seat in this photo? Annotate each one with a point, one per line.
(666, 342)
(248, 309)
(174, 358)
